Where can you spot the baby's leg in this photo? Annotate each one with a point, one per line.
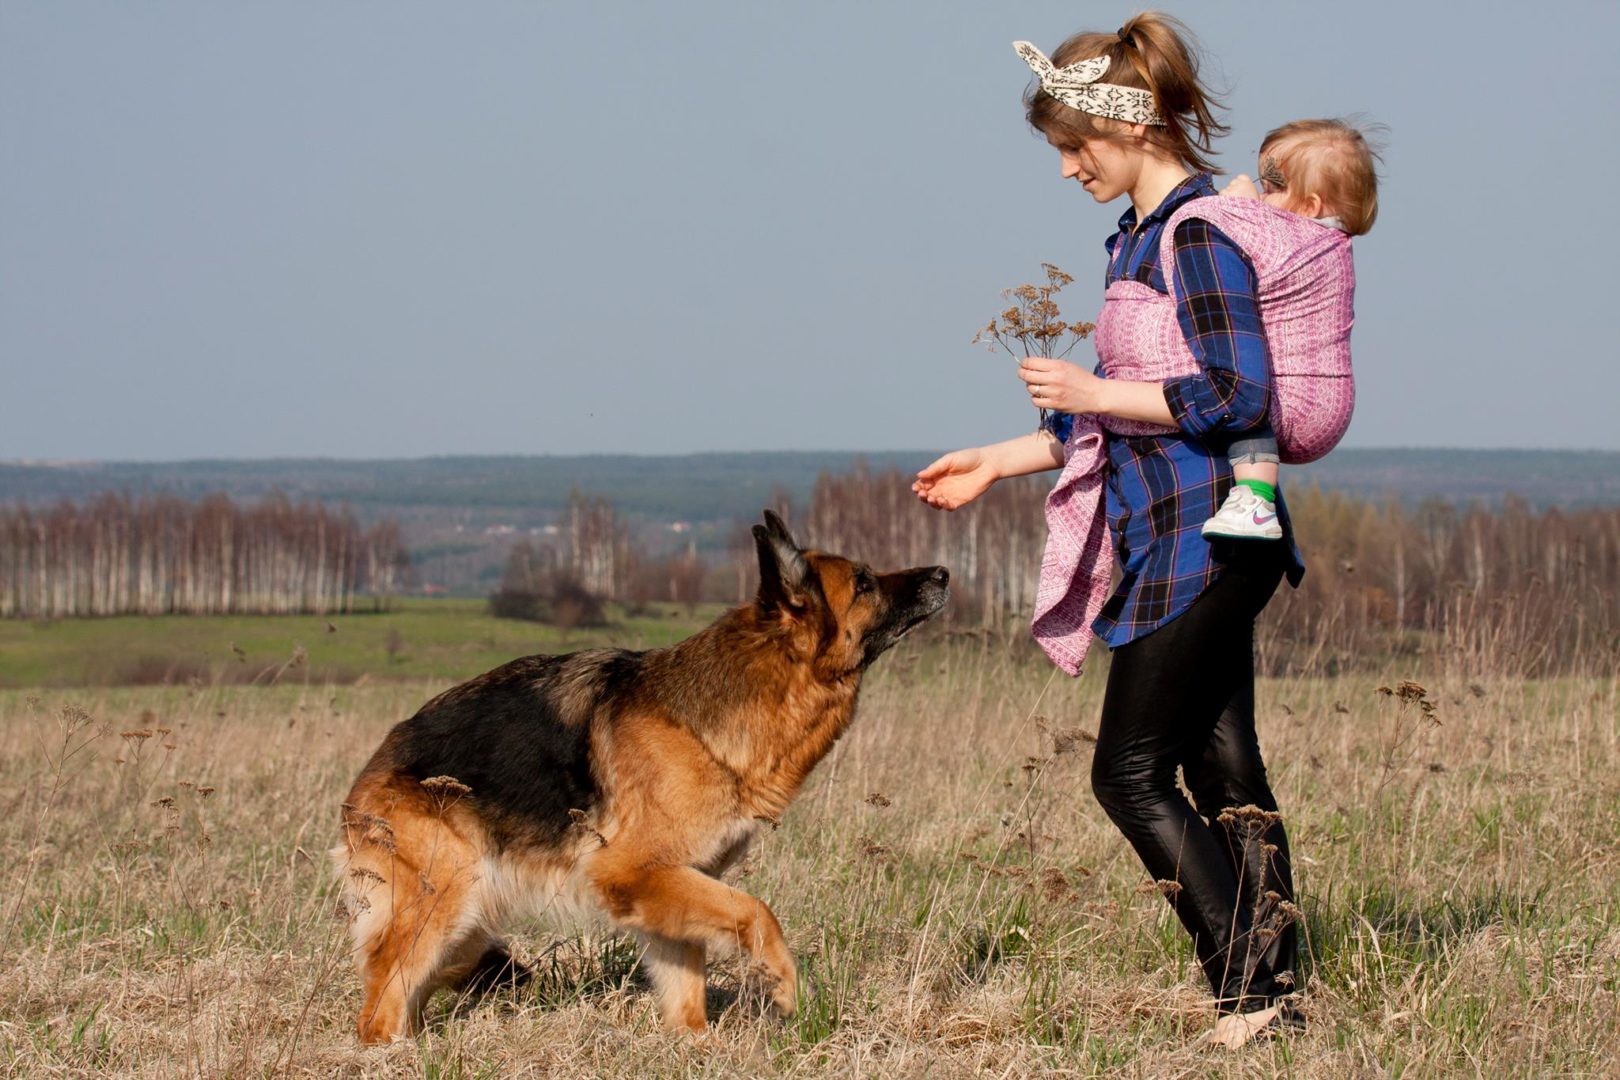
(1254, 457)
(1250, 509)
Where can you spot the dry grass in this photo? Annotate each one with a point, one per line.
(958, 902)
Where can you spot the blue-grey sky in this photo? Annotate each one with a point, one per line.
(392, 229)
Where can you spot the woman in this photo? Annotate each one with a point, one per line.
(1129, 118)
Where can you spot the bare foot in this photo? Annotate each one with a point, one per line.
(1235, 1029)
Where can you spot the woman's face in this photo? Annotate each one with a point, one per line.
(1106, 168)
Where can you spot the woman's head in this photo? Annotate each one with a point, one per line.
(1322, 168)
(1151, 52)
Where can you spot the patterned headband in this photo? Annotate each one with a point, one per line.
(1077, 87)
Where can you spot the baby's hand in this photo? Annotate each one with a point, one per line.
(1241, 187)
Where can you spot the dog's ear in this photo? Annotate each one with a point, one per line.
(783, 572)
(779, 529)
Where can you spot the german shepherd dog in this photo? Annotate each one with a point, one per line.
(615, 782)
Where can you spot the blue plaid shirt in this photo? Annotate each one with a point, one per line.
(1161, 488)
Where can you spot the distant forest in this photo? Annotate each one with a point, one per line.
(1504, 586)
(158, 555)
(1507, 589)
(461, 518)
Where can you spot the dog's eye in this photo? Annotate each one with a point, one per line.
(864, 582)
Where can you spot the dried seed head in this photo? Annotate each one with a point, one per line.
(445, 786)
(1250, 815)
(365, 873)
(352, 906)
(1068, 740)
(1162, 886)
(1055, 885)
(1407, 690)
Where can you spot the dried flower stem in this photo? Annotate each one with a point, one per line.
(1034, 322)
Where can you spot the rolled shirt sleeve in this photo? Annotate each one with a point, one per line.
(1219, 311)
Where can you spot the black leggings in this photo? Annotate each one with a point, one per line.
(1184, 696)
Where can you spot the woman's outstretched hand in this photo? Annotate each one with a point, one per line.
(1060, 385)
(955, 479)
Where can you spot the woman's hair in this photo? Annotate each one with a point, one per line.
(1154, 52)
(1331, 159)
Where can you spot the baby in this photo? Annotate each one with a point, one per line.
(1322, 170)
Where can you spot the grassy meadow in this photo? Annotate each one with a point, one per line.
(419, 639)
(958, 903)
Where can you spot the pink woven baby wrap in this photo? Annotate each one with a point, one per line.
(1306, 288)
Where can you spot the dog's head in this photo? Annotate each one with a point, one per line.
(849, 614)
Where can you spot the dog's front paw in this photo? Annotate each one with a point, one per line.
(785, 995)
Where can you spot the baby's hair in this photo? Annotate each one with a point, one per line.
(1333, 160)
(1153, 52)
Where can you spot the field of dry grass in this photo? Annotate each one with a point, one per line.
(958, 903)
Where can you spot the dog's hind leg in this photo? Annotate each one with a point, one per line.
(676, 970)
(680, 904)
(419, 919)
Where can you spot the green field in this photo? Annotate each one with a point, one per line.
(418, 639)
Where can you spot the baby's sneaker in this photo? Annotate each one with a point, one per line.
(1245, 515)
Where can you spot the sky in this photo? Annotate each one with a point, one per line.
(403, 229)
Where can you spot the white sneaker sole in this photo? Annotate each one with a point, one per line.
(1213, 529)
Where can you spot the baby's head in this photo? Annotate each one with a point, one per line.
(1321, 168)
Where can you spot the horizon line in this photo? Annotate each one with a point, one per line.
(74, 463)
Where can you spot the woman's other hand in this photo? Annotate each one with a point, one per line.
(1060, 385)
(1241, 187)
(955, 480)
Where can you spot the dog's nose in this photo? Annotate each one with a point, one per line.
(939, 575)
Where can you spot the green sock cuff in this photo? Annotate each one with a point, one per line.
(1266, 491)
